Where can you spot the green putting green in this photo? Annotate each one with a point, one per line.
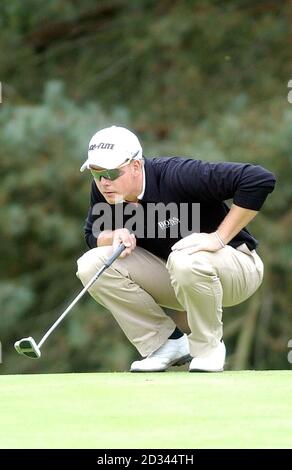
(166, 410)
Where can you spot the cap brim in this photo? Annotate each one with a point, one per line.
(102, 161)
(84, 166)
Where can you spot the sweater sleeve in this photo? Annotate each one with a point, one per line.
(248, 185)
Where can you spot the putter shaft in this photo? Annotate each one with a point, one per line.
(26, 345)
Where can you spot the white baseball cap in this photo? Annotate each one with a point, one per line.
(111, 147)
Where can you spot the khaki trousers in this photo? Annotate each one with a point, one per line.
(136, 288)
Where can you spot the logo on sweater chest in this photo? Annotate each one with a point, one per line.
(164, 224)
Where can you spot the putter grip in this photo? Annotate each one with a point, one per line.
(115, 255)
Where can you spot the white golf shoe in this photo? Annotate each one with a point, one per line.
(174, 352)
(212, 362)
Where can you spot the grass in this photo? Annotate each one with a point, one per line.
(168, 410)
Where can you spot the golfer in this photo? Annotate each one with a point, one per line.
(196, 256)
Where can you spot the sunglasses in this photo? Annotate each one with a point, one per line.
(112, 175)
(107, 174)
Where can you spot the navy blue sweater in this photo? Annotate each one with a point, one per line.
(179, 180)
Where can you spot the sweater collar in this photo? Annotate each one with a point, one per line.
(151, 190)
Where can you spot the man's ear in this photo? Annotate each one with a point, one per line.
(137, 166)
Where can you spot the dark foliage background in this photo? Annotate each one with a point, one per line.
(205, 79)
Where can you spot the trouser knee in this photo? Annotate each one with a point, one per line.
(91, 262)
(183, 267)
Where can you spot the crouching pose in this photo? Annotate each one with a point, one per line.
(165, 264)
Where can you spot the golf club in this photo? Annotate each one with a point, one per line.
(28, 346)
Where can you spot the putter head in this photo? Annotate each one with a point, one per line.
(28, 347)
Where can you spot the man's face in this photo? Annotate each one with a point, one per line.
(125, 187)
